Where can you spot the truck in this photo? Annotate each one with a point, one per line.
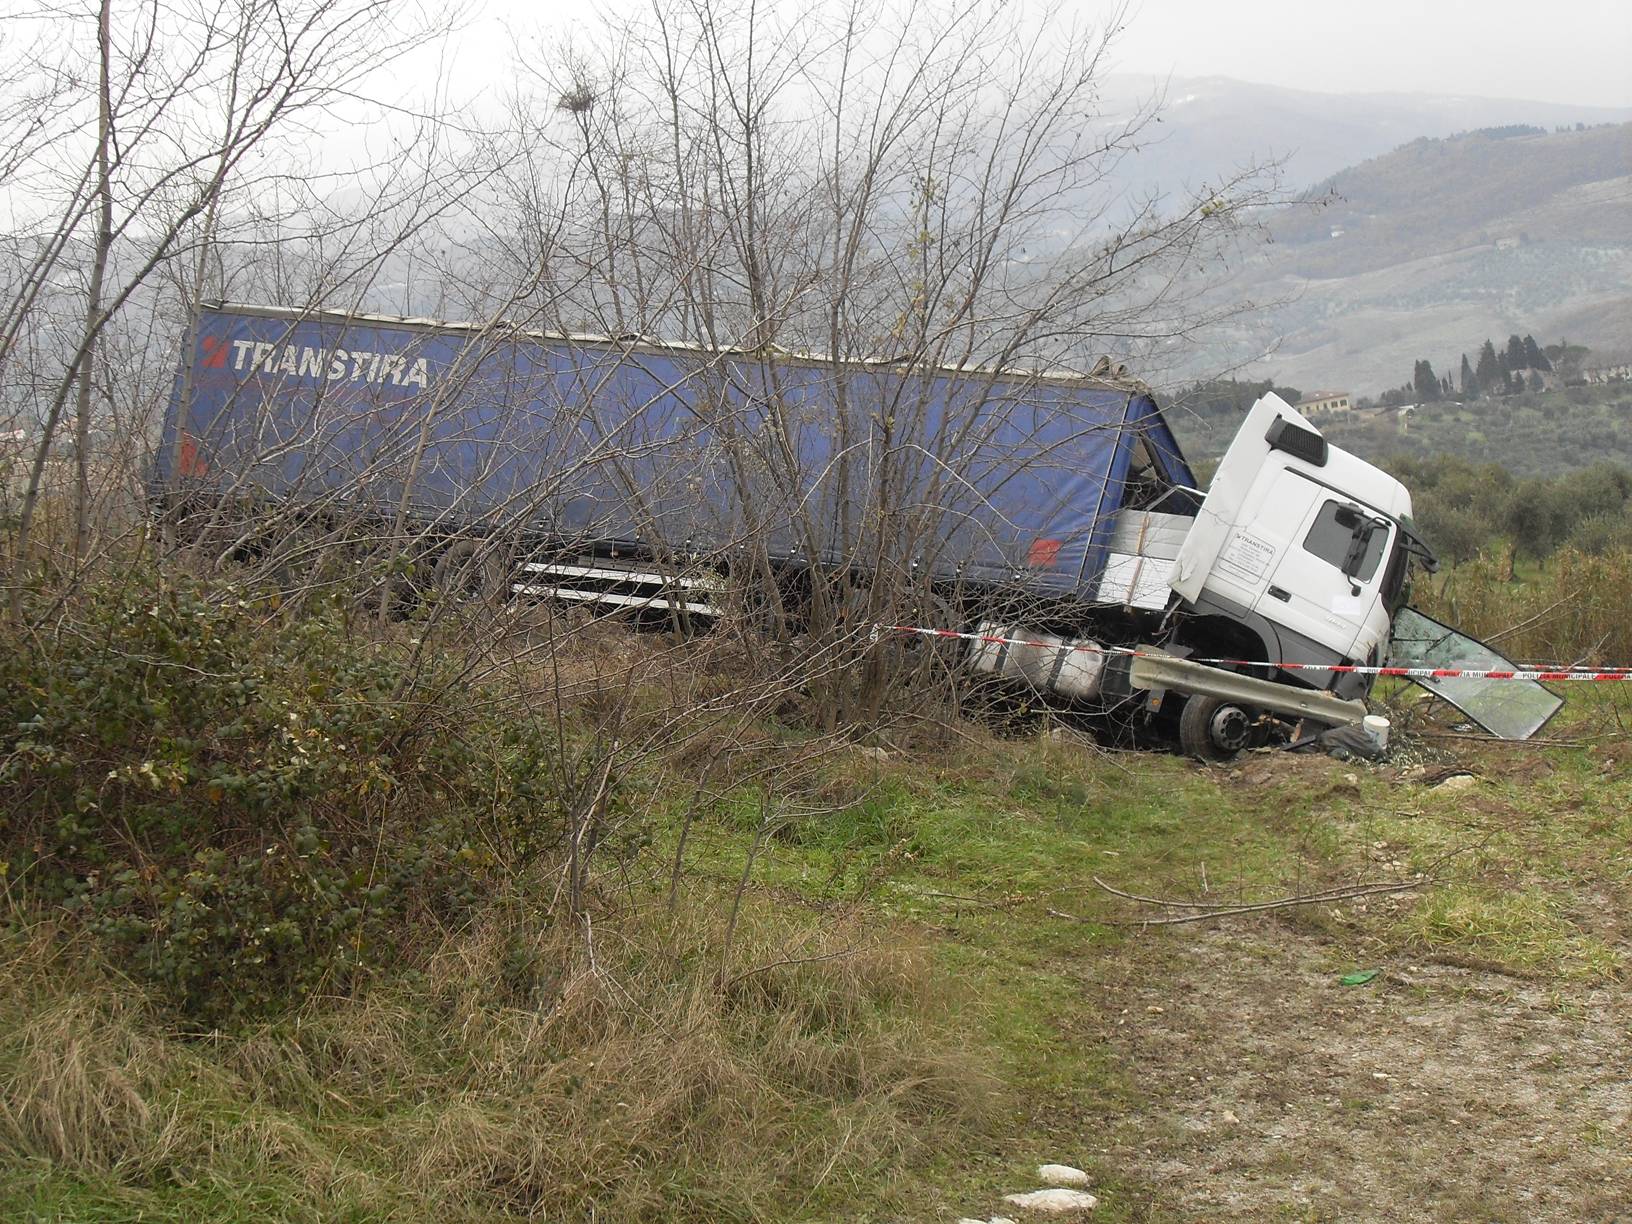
(1050, 518)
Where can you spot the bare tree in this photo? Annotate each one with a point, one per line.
(102, 247)
(189, 102)
(877, 199)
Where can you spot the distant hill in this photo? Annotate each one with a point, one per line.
(1430, 197)
(1426, 250)
(1213, 125)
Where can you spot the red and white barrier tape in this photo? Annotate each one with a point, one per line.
(1411, 673)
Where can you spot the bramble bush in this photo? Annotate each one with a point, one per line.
(245, 808)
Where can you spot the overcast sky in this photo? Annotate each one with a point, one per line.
(1569, 51)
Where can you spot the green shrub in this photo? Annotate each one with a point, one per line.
(1602, 534)
(246, 808)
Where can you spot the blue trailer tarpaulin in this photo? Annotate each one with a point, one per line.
(986, 475)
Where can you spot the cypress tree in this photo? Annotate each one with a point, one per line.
(1534, 355)
(1489, 372)
(1424, 382)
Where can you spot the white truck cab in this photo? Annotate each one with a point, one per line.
(1294, 569)
(1302, 536)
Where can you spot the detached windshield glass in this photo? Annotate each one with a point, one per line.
(1512, 709)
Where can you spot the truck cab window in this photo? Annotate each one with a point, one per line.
(1334, 531)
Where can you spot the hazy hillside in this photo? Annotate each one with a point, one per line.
(1426, 250)
(1429, 197)
(1213, 125)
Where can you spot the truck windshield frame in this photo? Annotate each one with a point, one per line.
(1512, 709)
(1397, 577)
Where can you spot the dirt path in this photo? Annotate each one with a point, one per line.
(1432, 1093)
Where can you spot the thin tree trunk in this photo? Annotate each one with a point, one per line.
(93, 304)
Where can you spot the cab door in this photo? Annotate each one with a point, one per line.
(1326, 581)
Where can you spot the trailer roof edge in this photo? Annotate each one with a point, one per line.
(634, 344)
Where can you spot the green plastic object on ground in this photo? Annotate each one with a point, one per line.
(1358, 979)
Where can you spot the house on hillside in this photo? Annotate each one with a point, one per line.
(1609, 373)
(1326, 403)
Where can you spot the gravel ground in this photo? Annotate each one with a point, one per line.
(1433, 1093)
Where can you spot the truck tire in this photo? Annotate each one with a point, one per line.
(471, 571)
(1212, 729)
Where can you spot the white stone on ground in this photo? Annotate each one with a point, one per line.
(1055, 1199)
(1457, 782)
(1062, 1175)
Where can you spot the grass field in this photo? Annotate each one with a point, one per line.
(923, 994)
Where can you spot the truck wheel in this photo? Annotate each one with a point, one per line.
(471, 571)
(1212, 729)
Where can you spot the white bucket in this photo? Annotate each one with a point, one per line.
(1376, 729)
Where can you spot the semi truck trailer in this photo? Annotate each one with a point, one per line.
(1050, 517)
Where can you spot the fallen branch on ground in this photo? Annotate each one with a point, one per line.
(1475, 737)
(1206, 910)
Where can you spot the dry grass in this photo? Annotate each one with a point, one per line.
(522, 1071)
(85, 1088)
(638, 1078)
(1573, 610)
